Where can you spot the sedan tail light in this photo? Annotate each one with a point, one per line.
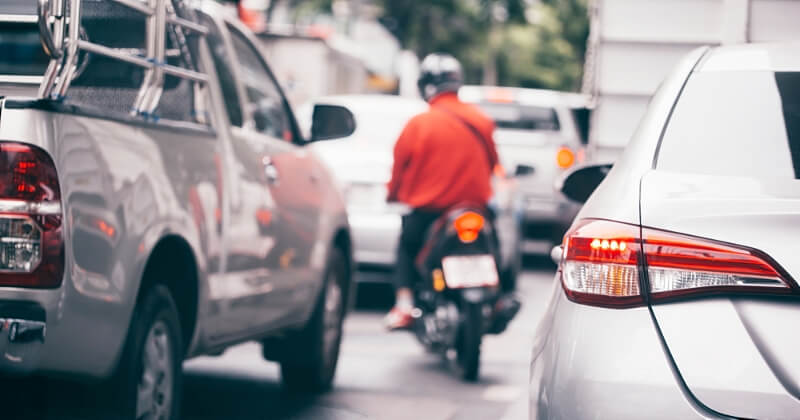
(31, 242)
(603, 263)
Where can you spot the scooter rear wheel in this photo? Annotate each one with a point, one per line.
(469, 343)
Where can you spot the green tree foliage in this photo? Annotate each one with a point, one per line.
(535, 43)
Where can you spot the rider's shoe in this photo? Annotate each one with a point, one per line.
(399, 318)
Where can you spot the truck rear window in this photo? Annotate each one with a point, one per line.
(735, 124)
(21, 52)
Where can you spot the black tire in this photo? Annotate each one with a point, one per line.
(508, 277)
(309, 360)
(154, 314)
(469, 343)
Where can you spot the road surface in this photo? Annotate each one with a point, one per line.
(381, 375)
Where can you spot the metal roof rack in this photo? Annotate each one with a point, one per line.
(60, 32)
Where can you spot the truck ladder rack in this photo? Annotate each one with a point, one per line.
(61, 35)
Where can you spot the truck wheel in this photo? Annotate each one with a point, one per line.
(147, 384)
(469, 344)
(311, 355)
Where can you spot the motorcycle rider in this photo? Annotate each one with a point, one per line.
(444, 157)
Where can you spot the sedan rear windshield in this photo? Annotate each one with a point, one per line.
(521, 117)
(21, 52)
(736, 124)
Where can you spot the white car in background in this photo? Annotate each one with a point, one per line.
(362, 163)
(538, 137)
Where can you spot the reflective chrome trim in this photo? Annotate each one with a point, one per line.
(158, 13)
(45, 208)
(18, 18)
(21, 80)
(23, 330)
(113, 53)
(136, 5)
(142, 62)
(187, 24)
(185, 73)
(21, 342)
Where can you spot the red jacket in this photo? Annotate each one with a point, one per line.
(439, 162)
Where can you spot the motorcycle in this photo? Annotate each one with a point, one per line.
(460, 297)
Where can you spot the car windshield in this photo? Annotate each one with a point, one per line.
(521, 117)
(21, 52)
(757, 111)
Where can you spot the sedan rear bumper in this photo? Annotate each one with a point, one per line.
(598, 363)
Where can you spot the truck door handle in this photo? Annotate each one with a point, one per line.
(270, 171)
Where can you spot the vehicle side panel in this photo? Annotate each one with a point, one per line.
(124, 187)
(597, 363)
(736, 354)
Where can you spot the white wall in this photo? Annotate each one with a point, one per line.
(637, 42)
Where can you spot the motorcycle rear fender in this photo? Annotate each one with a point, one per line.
(442, 240)
(478, 295)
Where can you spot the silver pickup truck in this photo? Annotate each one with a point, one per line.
(157, 202)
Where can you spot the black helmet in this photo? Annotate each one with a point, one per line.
(439, 73)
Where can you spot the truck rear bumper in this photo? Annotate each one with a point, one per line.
(59, 331)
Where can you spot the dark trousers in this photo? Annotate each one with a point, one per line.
(412, 239)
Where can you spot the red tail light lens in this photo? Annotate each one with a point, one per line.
(468, 226)
(601, 264)
(603, 259)
(680, 265)
(31, 243)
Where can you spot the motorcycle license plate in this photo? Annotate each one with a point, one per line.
(469, 271)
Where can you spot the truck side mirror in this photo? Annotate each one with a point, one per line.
(331, 122)
(579, 183)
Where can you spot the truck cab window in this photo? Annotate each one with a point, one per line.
(222, 63)
(264, 101)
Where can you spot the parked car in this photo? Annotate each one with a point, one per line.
(537, 132)
(153, 213)
(362, 163)
(677, 284)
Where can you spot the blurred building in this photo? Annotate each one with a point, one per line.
(347, 51)
(633, 45)
(308, 66)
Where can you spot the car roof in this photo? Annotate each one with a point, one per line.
(777, 56)
(361, 102)
(523, 96)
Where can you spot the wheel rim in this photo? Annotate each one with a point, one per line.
(154, 392)
(332, 320)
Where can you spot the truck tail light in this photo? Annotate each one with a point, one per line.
(603, 263)
(31, 241)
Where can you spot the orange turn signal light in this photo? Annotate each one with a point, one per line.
(565, 157)
(468, 225)
(438, 280)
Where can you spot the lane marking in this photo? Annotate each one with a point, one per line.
(501, 393)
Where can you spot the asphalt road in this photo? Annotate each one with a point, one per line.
(381, 375)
